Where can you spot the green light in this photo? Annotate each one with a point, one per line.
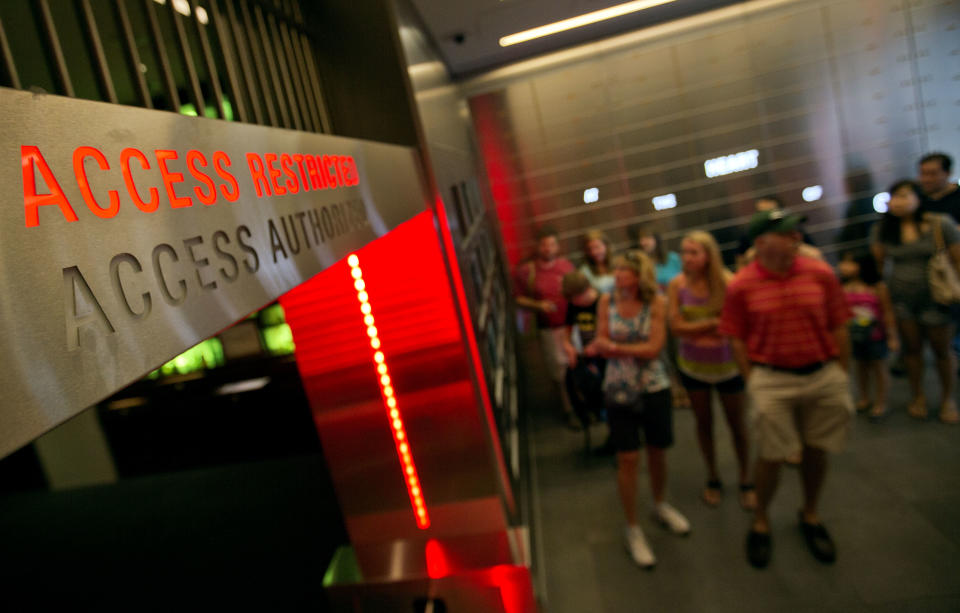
(203, 356)
(209, 110)
(278, 339)
(273, 315)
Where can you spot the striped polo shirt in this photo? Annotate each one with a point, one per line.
(786, 320)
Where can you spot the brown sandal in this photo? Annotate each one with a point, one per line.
(712, 494)
(917, 409)
(949, 414)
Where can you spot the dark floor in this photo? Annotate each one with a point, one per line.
(892, 503)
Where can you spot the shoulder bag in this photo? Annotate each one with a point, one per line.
(941, 273)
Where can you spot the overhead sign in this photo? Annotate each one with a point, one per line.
(128, 235)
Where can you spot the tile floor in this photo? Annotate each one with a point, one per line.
(892, 503)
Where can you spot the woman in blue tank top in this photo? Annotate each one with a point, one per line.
(631, 329)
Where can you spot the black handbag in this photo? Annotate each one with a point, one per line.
(623, 397)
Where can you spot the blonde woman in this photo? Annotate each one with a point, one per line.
(705, 358)
(631, 330)
(597, 268)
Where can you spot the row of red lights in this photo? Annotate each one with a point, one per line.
(410, 476)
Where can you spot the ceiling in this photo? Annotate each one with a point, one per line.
(467, 31)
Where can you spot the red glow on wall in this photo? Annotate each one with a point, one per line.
(501, 170)
(390, 403)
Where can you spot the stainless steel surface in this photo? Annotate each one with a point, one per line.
(52, 272)
(845, 94)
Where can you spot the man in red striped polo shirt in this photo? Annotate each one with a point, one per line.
(787, 319)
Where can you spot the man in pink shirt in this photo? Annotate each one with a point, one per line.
(787, 318)
(538, 287)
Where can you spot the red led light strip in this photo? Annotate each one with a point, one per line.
(410, 477)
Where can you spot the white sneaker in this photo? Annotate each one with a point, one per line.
(671, 519)
(639, 548)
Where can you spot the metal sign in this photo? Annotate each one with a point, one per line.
(128, 235)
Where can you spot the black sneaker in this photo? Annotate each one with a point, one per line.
(818, 541)
(759, 548)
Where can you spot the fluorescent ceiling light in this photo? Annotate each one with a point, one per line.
(729, 164)
(580, 20)
(591, 195)
(238, 387)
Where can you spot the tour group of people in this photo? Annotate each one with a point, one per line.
(621, 333)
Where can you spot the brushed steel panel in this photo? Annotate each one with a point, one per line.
(821, 89)
(45, 381)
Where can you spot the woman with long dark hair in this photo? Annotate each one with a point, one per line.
(907, 235)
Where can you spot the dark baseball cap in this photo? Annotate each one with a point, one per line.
(776, 220)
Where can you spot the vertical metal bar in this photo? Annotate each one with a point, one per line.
(53, 44)
(212, 73)
(295, 10)
(133, 55)
(226, 44)
(294, 76)
(187, 55)
(161, 50)
(243, 51)
(255, 51)
(99, 57)
(9, 68)
(311, 107)
(272, 66)
(311, 58)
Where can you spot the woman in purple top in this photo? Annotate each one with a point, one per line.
(705, 358)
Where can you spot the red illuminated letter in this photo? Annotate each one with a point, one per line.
(325, 167)
(125, 155)
(221, 161)
(256, 174)
(273, 172)
(292, 186)
(170, 177)
(193, 158)
(338, 164)
(298, 158)
(32, 201)
(316, 179)
(79, 156)
(353, 178)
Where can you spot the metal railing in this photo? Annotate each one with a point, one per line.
(241, 60)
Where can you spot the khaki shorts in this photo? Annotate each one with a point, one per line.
(554, 357)
(789, 411)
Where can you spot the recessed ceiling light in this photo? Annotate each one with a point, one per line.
(880, 202)
(580, 20)
(812, 193)
(667, 201)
